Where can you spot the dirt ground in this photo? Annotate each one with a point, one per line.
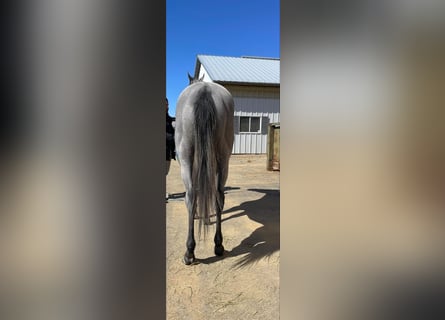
(244, 282)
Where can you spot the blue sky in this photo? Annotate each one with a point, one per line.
(227, 28)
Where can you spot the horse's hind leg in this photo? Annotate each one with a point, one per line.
(190, 201)
(219, 248)
(222, 177)
(189, 256)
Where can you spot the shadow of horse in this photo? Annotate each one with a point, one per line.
(265, 240)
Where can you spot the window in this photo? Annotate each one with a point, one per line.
(255, 124)
(244, 124)
(250, 124)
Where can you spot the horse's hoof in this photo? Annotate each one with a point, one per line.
(189, 260)
(219, 250)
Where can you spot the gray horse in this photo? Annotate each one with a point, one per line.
(204, 139)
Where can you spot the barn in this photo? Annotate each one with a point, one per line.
(254, 83)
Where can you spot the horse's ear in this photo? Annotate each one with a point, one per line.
(202, 78)
(190, 78)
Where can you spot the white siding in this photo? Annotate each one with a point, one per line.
(203, 71)
(263, 102)
(252, 101)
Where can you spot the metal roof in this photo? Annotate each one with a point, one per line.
(243, 70)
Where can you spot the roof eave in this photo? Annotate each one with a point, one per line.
(197, 67)
(241, 83)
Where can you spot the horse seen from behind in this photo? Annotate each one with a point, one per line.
(204, 139)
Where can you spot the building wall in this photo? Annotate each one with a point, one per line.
(203, 71)
(252, 101)
(261, 102)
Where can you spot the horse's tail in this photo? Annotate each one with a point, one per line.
(205, 161)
